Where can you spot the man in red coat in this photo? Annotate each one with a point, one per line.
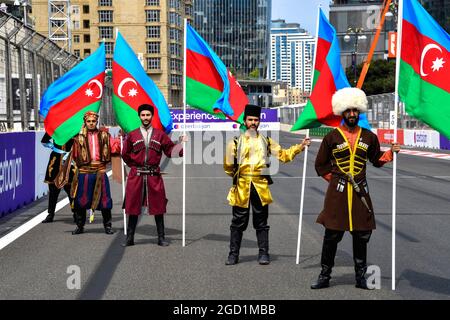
(142, 152)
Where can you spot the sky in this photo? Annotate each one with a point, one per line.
(299, 11)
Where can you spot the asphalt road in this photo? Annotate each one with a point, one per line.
(35, 266)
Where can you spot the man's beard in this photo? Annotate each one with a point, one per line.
(146, 123)
(351, 124)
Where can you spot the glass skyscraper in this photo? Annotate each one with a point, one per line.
(238, 31)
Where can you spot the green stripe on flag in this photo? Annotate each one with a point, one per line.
(307, 119)
(424, 101)
(72, 126)
(126, 116)
(201, 96)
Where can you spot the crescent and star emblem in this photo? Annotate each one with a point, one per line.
(99, 84)
(437, 64)
(122, 83)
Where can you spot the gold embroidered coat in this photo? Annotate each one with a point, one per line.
(252, 157)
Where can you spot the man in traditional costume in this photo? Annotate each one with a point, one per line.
(142, 152)
(341, 160)
(246, 161)
(59, 173)
(92, 150)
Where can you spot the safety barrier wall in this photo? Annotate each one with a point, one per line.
(23, 161)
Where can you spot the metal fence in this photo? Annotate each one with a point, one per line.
(378, 113)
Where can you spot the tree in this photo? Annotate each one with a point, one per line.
(379, 79)
(254, 74)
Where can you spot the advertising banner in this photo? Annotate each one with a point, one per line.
(444, 143)
(422, 138)
(386, 136)
(42, 156)
(17, 170)
(197, 120)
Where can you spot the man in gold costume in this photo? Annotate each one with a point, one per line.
(246, 161)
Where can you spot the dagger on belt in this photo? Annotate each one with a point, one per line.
(358, 192)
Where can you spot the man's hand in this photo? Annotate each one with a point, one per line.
(183, 138)
(306, 142)
(395, 147)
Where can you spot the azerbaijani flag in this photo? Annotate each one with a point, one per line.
(424, 84)
(210, 87)
(66, 100)
(329, 76)
(133, 87)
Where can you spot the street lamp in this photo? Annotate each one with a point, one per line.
(356, 33)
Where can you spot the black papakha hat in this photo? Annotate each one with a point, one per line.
(252, 111)
(148, 107)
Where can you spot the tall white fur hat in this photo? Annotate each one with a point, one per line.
(347, 98)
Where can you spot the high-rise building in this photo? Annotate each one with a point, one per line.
(440, 10)
(153, 28)
(238, 31)
(291, 55)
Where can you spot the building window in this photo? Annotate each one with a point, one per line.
(175, 34)
(152, 2)
(153, 31)
(76, 38)
(188, 10)
(87, 38)
(56, 8)
(57, 23)
(109, 47)
(152, 15)
(76, 25)
(87, 52)
(153, 47)
(153, 63)
(175, 80)
(105, 3)
(108, 63)
(175, 49)
(86, 9)
(105, 32)
(86, 24)
(76, 52)
(105, 16)
(176, 65)
(175, 18)
(174, 4)
(76, 10)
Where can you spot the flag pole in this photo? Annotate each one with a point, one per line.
(184, 133)
(305, 159)
(122, 169)
(394, 170)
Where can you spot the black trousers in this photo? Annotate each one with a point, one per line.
(241, 216)
(53, 196)
(329, 248)
(81, 217)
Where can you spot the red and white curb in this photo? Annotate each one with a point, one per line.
(427, 154)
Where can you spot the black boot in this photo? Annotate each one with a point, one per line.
(80, 215)
(329, 248)
(49, 218)
(132, 223)
(109, 229)
(360, 240)
(107, 218)
(235, 246)
(263, 244)
(159, 219)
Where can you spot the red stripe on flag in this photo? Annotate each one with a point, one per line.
(238, 98)
(202, 69)
(67, 108)
(321, 98)
(132, 93)
(413, 46)
(323, 47)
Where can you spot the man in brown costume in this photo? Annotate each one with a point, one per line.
(341, 161)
